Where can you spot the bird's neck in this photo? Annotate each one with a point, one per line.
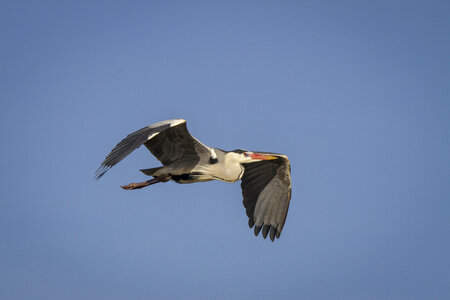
(232, 158)
(231, 169)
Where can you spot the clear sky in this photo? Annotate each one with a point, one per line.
(356, 93)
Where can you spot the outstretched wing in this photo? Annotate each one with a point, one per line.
(167, 141)
(266, 187)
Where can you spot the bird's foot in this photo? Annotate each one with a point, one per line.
(133, 186)
(140, 185)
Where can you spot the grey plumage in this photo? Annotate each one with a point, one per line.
(266, 181)
(266, 187)
(166, 145)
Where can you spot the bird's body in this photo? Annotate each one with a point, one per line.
(227, 169)
(266, 182)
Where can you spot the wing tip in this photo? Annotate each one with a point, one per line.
(267, 230)
(101, 171)
(257, 230)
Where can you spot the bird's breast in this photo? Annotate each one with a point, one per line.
(228, 172)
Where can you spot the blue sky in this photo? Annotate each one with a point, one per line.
(356, 93)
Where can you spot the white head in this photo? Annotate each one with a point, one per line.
(244, 156)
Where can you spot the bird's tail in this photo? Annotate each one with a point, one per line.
(151, 171)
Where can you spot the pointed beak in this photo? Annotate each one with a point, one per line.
(262, 156)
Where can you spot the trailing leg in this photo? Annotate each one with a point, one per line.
(140, 185)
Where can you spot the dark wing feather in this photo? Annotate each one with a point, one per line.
(266, 187)
(176, 143)
(167, 140)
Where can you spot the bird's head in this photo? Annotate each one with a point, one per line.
(249, 156)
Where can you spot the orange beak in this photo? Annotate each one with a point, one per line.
(262, 156)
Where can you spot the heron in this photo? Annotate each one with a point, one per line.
(265, 177)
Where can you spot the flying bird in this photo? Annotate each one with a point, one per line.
(266, 177)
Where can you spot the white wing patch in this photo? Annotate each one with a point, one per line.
(152, 135)
(213, 153)
(172, 123)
